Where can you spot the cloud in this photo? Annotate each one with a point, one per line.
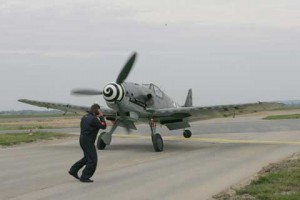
(58, 53)
(202, 39)
(277, 13)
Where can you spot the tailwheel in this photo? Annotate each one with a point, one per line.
(158, 142)
(100, 143)
(187, 133)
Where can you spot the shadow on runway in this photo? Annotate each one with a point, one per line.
(139, 145)
(169, 146)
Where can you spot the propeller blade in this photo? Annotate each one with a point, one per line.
(126, 69)
(86, 92)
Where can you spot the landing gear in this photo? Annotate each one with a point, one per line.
(105, 137)
(100, 143)
(187, 133)
(157, 141)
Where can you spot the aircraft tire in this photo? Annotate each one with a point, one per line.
(100, 143)
(187, 133)
(158, 143)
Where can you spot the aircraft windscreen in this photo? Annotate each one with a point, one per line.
(147, 85)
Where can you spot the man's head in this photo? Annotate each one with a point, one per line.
(95, 109)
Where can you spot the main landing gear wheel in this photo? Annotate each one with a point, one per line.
(158, 142)
(187, 133)
(100, 143)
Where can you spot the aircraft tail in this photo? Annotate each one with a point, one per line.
(189, 99)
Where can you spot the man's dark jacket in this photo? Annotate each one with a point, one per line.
(90, 126)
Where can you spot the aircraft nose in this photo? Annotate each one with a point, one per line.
(113, 92)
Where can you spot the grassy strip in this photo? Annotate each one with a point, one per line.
(39, 123)
(16, 138)
(12, 116)
(282, 182)
(24, 127)
(274, 117)
(33, 127)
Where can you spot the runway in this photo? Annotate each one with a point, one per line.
(195, 168)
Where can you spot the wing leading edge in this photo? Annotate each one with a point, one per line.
(66, 107)
(190, 114)
(177, 118)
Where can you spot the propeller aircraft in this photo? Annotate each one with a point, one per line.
(130, 103)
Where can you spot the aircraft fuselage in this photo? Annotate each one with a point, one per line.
(134, 99)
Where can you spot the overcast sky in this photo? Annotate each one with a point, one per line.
(227, 51)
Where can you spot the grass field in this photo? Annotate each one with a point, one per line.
(282, 182)
(276, 117)
(34, 122)
(14, 122)
(17, 138)
(12, 116)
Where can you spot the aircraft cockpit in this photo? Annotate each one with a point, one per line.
(154, 88)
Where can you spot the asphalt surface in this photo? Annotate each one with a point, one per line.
(221, 153)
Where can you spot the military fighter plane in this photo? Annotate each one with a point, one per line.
(130, 103)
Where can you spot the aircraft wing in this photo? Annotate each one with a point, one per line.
(67, 107)
(179, 117)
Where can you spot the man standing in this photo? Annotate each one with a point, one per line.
(89, 127)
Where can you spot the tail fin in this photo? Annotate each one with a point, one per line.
(189, 99)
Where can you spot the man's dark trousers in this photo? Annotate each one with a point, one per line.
(90, 158)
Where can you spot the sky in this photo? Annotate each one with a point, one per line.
(227, 51)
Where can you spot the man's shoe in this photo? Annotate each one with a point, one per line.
(86, 180)
(75, 175)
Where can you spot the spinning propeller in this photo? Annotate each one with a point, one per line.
(86, 92)
(121, 78)
(112, 92)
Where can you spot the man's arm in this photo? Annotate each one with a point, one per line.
(100, 121)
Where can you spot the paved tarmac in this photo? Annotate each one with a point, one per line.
(221, 153)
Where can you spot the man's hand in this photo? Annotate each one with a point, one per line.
(101, 119)
(100, 114)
